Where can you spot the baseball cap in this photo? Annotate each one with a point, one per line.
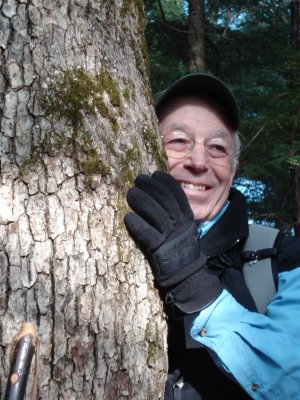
(203, 84)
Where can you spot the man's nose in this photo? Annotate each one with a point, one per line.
(197, 158)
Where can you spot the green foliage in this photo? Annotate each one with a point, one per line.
(167, 41)
(294, 161)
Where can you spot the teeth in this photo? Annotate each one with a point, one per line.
(193, 187)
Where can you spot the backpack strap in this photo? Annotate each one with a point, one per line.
(257, 255)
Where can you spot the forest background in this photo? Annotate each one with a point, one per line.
(254, 47)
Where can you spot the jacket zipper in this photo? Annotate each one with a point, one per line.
(224, 251)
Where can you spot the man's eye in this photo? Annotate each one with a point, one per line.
(178, 141)
(219, 147)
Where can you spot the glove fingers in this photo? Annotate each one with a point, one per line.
(142, 233)
(177, 191)
(162, 195)
(147, 208)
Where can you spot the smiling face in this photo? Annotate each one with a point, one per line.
(205, 180)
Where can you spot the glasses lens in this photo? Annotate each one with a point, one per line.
(177, 144)
(219, 148)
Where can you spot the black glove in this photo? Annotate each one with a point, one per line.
(163, 227)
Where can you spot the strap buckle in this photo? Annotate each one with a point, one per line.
(252, 256)
(179, 384)
(177, 387)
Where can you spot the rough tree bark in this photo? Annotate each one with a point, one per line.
(196, 36)
(77, 124)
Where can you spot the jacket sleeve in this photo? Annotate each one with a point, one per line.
(262, 352)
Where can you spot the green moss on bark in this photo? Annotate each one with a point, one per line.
(152, 146)
(74, 95)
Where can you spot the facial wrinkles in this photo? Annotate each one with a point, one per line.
(206, 183)
(210, 208)
(177, 128)
(211, 134)
(218, 133)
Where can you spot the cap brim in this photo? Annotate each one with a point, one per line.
(203, 84)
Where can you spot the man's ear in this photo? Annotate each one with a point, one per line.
(236, 166)
(234, 169)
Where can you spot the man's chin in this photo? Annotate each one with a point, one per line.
(200, 215)
(206, 208)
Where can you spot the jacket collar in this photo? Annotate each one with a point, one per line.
(231, 228)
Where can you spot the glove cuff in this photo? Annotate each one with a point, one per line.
(193, 294)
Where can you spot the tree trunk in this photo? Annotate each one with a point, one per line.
(77, 125)
(295, 72)
(196, 36)
(294, 84)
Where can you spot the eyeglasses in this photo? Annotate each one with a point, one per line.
(180, 145)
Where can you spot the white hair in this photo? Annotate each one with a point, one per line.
(237, 149)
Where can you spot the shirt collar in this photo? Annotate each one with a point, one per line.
(205, 226)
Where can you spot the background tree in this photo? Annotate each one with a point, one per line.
(196, 35)
(248, 45)
(166, 35)
(77, 125)
(295, 80)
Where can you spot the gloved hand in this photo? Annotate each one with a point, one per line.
(163, 227)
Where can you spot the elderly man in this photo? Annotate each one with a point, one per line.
(192, 226)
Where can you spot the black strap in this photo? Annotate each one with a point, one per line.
(248, 256)
(177, 393)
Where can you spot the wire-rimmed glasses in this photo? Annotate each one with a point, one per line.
(179, 145)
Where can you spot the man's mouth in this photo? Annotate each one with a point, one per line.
(191, 186)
